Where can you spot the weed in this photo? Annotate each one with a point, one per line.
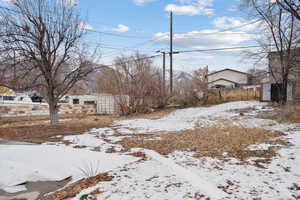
(90, 169)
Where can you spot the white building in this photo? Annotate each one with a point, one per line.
(79, 99)
(106, 103)
(8, 96)
(227, 78)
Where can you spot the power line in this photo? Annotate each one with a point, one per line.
(219, 49)
(130, 47)
(134, 60)
(116, 34)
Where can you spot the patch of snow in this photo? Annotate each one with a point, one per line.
(115, 139)
(144, 180)
(152, 139)
(22, 163)
(102, 131)
(198, 182)
(91, 141)
(260, 147)
(244, 181)
(252, 122)
(184, 119)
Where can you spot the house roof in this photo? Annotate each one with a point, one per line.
(223, 79)
(227, 69)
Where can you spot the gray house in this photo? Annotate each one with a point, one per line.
(227, 78)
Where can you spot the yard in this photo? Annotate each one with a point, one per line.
(234, 150)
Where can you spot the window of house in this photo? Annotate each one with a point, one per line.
(89, 102)
(75, 101)
(8, 98)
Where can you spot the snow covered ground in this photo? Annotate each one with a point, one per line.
(178, 175)
(190, 177)
(22, 163)
(184, 118)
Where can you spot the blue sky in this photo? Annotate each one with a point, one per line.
(143, 25)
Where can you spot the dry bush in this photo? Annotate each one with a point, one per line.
(211, 141)
(191, 88)
(137, 77)
(290, 113)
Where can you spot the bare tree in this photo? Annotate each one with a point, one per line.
(193, 88)
(45, 38)
(135, 76)
(257, 75)
(106, 80)
(279, 40)
(291, 6)
(200, 80)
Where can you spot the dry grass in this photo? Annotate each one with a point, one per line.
(75, 188)
(42, 132)
(231, 95)
(212, 142)
(38, 130)
(33, 120)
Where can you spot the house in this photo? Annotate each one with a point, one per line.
(271, 86)
(8, 96)
(227, 78)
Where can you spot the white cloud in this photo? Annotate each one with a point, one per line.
(202, 57)
(8, 1)
(186, 57)
(121, 28)
(85, 26)
(231, 22)
(142, 2)
(72, 2)
(192, 7)
(205, 39)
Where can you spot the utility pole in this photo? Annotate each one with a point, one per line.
(164, 73)
(171, 52)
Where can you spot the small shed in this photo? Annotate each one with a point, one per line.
(271, 92)
(111, 104)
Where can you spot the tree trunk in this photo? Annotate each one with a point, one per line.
(53, 110)
(284, 90)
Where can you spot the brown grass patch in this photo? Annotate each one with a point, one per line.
(39, 133)
(38, 130)
(212, 142)
(75, 188)
(139, 155)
